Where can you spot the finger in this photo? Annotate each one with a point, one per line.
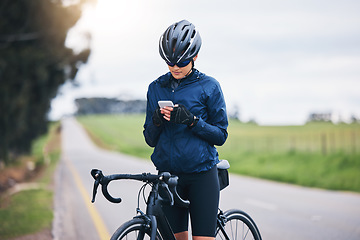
(166, 118)
(168, 108)
(167, 115)
(164, 111)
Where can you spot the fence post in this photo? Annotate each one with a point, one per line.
(269, 144)
(332, 142)
(323, 144)
(353, 141)
(292, 144)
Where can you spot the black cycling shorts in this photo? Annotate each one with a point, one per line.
(202, 190)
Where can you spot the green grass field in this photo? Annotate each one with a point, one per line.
(31, 211)
(320, 155)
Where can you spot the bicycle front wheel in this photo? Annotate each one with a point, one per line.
(135, 229)
(237, 225)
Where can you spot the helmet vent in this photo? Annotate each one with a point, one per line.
(167, 36)
(185, 35)
(173, 44)
(193, 34)
(187, 46)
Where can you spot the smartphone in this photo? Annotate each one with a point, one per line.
(165, 103)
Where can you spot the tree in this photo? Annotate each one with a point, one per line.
(34, 63)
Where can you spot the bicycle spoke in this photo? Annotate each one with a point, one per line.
(246, 232)
(243, 229)
(237, 227)
(236, 232)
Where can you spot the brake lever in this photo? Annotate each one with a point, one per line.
(170, 196)
(96, 185)
(97, 175)
(172, 186)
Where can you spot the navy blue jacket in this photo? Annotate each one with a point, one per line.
(178, 148)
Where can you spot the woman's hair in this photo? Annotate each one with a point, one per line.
(180, 42)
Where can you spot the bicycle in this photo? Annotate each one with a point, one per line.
(231, 225)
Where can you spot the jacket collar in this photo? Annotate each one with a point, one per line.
(165, 81)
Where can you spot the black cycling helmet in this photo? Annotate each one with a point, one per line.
(180, 42)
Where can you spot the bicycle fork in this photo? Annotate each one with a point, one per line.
(153, 225)
(150, 223)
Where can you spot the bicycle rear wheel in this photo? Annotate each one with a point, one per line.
(237, 225)
(135, 229)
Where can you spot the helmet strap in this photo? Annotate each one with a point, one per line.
(192, 68)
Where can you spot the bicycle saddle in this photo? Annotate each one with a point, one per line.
(223, 164)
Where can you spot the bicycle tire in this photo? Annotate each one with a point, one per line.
(238, 225)
(135, 229)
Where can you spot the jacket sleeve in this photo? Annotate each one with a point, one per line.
(214, 129)
(151, 132)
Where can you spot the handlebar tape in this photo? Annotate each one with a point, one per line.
(108, 196)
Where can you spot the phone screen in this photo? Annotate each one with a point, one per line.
(165, 103)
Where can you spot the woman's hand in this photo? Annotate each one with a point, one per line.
(166, 111)
(178, 114)
(181, 115)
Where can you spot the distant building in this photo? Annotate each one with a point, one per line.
(87, 106)
(355, 119)
(319, 117)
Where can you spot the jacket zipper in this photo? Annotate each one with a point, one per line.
(171, 135)
(172, 150)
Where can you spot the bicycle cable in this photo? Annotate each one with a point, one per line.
(142, 189)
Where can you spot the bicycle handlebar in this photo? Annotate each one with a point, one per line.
(165, 179)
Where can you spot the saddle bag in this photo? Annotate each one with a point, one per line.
(223, 173)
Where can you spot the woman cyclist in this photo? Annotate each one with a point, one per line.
(184, 135)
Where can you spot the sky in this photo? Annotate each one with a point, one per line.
(277, 61)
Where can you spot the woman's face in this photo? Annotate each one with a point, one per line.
(180, 72)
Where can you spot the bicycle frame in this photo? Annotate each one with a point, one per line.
(157, 216)
(154, 216)
(154, 221)
(159, 221)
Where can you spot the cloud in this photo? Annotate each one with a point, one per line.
(278, 60)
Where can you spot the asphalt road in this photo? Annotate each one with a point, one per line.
(281, 211)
